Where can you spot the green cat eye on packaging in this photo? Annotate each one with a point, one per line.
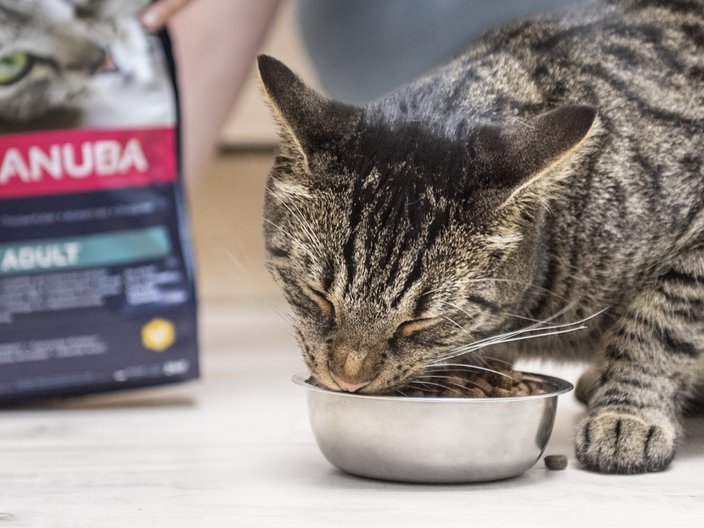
(13, 66)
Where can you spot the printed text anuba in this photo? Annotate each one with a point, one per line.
(101, 158)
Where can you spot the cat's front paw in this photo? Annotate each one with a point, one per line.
(619, 442)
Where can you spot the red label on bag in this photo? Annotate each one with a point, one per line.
(69, 161)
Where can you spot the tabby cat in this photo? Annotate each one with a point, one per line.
(551, 174)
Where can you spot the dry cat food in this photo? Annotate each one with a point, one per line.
(555, 462)
(466, 382)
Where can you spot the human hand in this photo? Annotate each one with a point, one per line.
(159, 13)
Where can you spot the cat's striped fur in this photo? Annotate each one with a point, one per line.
(557, 167)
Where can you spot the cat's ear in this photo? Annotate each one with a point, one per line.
(306, 118)
(530, 158)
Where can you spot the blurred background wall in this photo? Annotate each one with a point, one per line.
(226, 200)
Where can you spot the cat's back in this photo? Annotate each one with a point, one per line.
(645, 54)
(632, 59)
(640, 63)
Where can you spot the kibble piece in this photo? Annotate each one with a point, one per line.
(454, 392)
(475, 392)
(555, 462)
(482, 384)
(534, 387)
(522, 389)
(517, 376)
(502, 382)
(457, 381)
(500, 392)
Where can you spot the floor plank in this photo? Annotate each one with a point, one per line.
(235, 449)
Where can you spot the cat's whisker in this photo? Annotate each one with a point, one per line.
(240, 271)
(231, 256)
(500, 338)
(414, 385)
(305, 225)
(539, 324)
(536, 321)
(477, 367)
(428, 292)
(298, 216)
(436, 376)
(456, 385)
(491, 358)
(440, 385)
(524, 283)
(518, 338)
(533, 336)
(448, 303)
(442, 367)
(523, 123)
(480, 358)
(522, 334)
(245, 251)
(285, 316)
(447, 318)
(523, 317)
(277, 226)
(460, 309)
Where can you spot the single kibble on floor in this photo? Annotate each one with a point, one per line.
(556, 462)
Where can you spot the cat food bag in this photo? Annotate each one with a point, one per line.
(96, 274)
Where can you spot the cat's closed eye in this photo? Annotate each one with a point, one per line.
(409, 328)
(327, 308)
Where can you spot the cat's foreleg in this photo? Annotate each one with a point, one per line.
(587, 384)
(650, 363)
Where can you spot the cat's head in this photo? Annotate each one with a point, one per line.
(395, 243)
(49, 52)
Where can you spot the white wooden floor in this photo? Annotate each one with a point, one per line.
(235, 450)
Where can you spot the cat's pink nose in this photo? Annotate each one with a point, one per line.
(347, 386)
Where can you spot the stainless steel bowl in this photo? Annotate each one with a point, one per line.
(434, 440)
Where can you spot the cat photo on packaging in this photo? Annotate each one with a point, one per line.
(63, 62)
(552, 173)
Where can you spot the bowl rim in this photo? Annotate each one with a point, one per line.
(562, 387)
